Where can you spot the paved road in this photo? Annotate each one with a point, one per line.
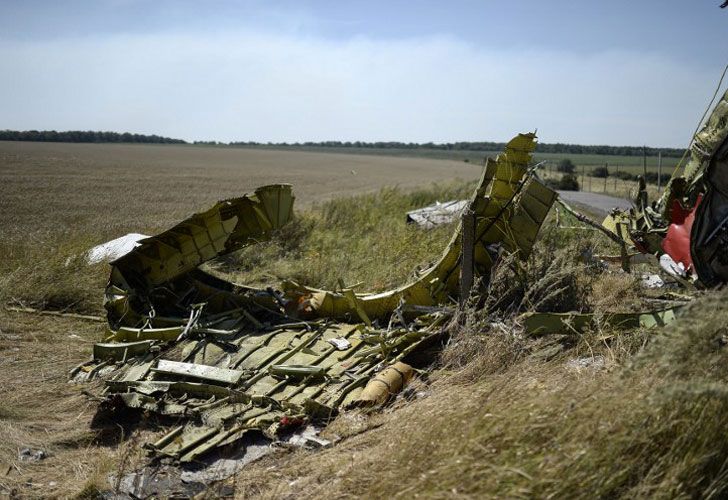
(597, 202)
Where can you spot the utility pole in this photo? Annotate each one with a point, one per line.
(606, 174)
(644, 162)
(583, 178)
(616, 176)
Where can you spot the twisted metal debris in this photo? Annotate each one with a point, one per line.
(225, 359)
(687, 228)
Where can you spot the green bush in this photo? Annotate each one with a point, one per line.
(566, 166)
(625, 176)
(568, 182)
(600, 172)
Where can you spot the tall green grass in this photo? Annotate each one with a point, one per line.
(359, 240)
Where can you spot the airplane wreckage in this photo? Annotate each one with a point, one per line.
(224, 360)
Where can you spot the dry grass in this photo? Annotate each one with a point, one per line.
(39, 409)
(359, 240)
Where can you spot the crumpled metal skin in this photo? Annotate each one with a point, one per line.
(543, 323)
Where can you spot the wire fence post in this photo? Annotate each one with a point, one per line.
(659, 172)
(467, 256)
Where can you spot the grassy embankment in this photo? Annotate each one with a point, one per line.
(500, 415)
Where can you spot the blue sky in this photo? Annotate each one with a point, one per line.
(590, 72)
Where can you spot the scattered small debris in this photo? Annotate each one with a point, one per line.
(32, 455)
(675, 269)
(652, 281)
(579, 364)
(411, 393)
(340, 343)
(308, 437)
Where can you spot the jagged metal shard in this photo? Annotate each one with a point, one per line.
(229, 359)
(171, 258)
(436, 214)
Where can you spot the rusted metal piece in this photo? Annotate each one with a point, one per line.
(386, 384)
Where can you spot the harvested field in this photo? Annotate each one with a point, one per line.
(148, 187)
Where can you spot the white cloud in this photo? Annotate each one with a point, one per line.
(259, 86)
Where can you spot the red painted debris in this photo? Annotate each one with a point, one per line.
(677, 242)
(287, 421)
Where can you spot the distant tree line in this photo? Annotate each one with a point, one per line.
(209, 143)
(558, 147)
(83, 136)
(561, 148)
